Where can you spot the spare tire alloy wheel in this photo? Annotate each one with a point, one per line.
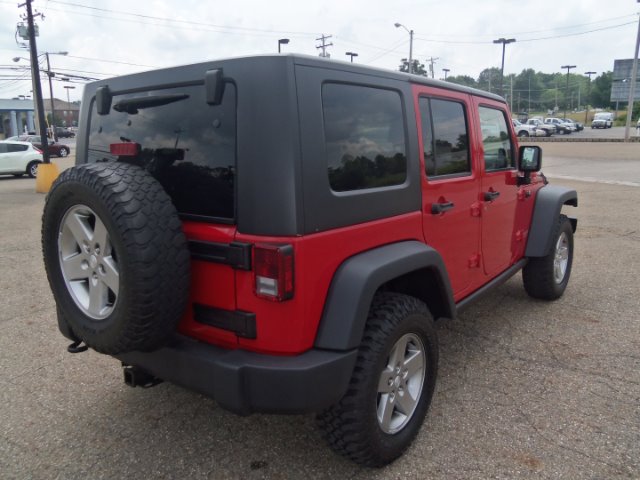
(116, 257)
(87, 262)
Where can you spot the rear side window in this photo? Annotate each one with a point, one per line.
(364, 136)
(445, 137)
(498, 151)
(188, 146)
(15, 147)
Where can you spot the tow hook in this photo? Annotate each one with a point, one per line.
(136, 377)
(77, 347)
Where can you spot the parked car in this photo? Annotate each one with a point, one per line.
(293, 258)
(56, 149)
(549, 129)
(525, 130)
(64, 133)
(19, 158)
(602, 120)
(561, 125)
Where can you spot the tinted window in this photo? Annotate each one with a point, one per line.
(3, 147)
(15, 147)
(187, 145)
(498, 153)
(445, 137)
(365, 137)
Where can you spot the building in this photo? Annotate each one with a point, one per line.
(16, 117)
(65, 114)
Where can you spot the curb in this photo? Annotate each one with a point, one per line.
(569, 139)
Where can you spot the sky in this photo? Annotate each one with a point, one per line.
(113, 37)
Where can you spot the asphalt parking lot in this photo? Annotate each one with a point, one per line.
(526, 389)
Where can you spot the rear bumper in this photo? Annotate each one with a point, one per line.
(246, 382)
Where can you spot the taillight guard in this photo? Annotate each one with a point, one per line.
(273, 268)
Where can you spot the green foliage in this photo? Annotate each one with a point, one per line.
(418, 68)
(538, 91)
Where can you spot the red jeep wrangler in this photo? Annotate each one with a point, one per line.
(280, 233)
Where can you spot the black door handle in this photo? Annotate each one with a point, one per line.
(490, 196)
(437, 208)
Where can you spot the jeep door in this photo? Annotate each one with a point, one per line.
(499, 193)
(450, 184)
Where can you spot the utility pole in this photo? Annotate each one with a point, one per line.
(36, 81)
(431, 61)
(566, 93)
(53, 118)
(324, 45)
(586, 113)
(529, 111)
(632, 87)
(504, 42)
(511, 94)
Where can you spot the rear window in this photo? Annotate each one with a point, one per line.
(188, 145)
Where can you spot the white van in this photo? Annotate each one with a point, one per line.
(602, 120)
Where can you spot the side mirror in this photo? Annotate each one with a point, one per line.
(530, 158)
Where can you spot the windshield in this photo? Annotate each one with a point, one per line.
(187, 145)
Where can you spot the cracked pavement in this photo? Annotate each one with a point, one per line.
(526, 389)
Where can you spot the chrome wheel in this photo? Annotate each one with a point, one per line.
(561, 258)
(64, 152)
(33, 169)
(88, 262)
(400, 384)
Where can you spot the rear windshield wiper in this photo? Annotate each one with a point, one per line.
(132, 105)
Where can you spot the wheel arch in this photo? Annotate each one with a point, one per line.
(408, 267)
(549, 202)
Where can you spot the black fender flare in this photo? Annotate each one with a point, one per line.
(359, 277)
(549, 202)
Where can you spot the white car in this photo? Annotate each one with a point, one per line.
(19, 158)
(525, 130)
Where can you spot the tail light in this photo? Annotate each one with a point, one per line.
(128, 149)
(273, 271)
(37, 150)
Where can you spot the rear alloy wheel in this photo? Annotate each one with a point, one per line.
(523, 133)
(64, 152)
(32, 169)
(392, 383)
(547, 277)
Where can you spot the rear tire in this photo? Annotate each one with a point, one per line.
(32, 168)
(392, 383)
(547, 277)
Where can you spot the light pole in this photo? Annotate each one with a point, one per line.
(586, 113)
(351, 54)
(49, 74)
(67, 88)
(398, 25)
(566, 94)
(282, 41)
(504, 42)
(632, 87)
(446, 71)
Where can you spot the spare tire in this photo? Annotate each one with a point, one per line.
(116, 257)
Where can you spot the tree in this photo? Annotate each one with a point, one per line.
(489, 79)
(465, 80)
(418, 68)
(601, 90)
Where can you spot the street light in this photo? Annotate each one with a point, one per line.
(568, 67)
(398, 25)
(586, 113)
(446, 71)
(351, 54)
(67, 88)
(504, 42)
(49, 74)
(282, 41)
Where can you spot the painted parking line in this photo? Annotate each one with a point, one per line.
(592, 180)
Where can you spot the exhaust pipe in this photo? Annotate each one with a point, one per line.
(136, 377)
